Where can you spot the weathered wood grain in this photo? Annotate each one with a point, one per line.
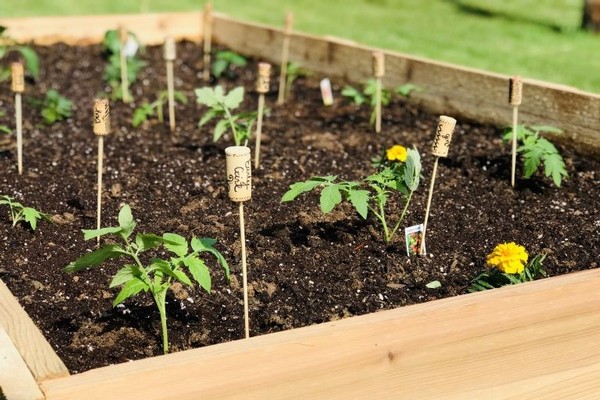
(16, 380)
(531, 341)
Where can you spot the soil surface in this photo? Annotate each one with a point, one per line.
(303, 267)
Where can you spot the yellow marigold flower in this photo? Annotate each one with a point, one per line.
(396, 152)
(509, 258)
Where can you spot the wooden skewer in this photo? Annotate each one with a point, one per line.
(515, 96)
(239, 177)
(440, 147)
(262, 87)
(207, 15)
(101, 129)
(285, 52)
(123, 57)
(18, 87)
(170, 54)
(378, 72)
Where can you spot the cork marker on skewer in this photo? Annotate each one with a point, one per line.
(207, 39)
(285, 53)
(123, 58)
(170, 53)
(239, 176)
(262, 87)
(440, 147)
(101, 129)
(18, 87)
(378, 72)
(515, 96)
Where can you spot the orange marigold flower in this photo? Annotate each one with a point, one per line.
(396, 152)
(509, 258)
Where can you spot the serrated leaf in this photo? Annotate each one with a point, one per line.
(126, 222)
(412, 170)
(554, 167)
(131, 288)
(125, 274)
(203, 244)
(546, 145)
(32, 62)
(300, 187)
(360, 201)
(96, 257)
(330, 197)
(181, 277)
(31, 215)
(200, 272)
(94, 233)
(433, 285)
(234, 98)
(220, 129)
(207, 96)
(218, 67)
(146, 241)
(176, 243)
(546, 128)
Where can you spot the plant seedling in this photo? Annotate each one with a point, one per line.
(294, 71)
(147, 110)
(537, 150)
(399, 173)
(155, 275)
(224, 63)
(368, 95)
(30, 57)
(18, 212)
(114, 71)
(285, 53)
(220, 106)
(55, 107)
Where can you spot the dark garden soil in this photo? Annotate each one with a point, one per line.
(304, 267)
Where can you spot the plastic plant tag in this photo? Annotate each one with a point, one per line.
(131, 47)
(326, 92)
(413, 235)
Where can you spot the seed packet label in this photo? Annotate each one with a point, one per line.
(131, 47)
(413, 236)
(264, 75)
(169, 50)
(18, 77)
(326, 92)
(101, 117)
(443, 136)
(239, 174)
(378, 64)
(515, 91)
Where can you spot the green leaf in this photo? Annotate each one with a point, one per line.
(330, 197)
(96, 257)
(32, 62)
(234, 97)
(412, 170)
(206, 96)
(360, 201)
(200, 272)
(125, 274)
(300, 187)
(218, 67)
(546, 145)
(176, 243)
(181, 277)
(131, 288)
(406, 89)
(220, 129)
(554, 167)
(210, 114)
(31, 215)
(433, 285)
(94, 233)
(206, 244)
(146, 241)
(546, 128)
(355, 95)
(126, 222)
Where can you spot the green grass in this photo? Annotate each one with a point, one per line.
(533, 38)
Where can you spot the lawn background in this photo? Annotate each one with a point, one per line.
(534, 38)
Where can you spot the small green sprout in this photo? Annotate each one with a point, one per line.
(156, 275)
(55, 107)
(220, 106)
(112, 71)
(3, 127)
(224, 63)
(406, 89)
(294, 71)
(147, 110)
(400, 173)
(537, 150)
(8, 45)
(368, 95)
(19, 213)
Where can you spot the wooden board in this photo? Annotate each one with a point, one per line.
(539, 340)
(27, 338)
(15, 379)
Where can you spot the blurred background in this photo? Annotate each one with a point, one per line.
(539, 39)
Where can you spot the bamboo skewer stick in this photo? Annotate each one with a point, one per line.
(18, 87)
(170, 53)
(101, 129)
(123, 57)
(285, 52)
(515, 96)
(378, 72)
(262, 87)
(207, 39)
(239, 177)
(439, 149)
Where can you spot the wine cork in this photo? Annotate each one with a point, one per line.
(378, 64)
(264, 76)
(208, 13)
(289, 20)
(18, 77)
(101, 117)
(239, 174)
(169, 50)
(443, 136)
(515, 91)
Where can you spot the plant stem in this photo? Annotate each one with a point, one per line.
(159, 299)
(236, 139)
(401, 215)
(381, 216)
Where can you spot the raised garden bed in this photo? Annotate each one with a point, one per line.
(305, 268)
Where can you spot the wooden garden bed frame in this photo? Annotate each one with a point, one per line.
(531, 341)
